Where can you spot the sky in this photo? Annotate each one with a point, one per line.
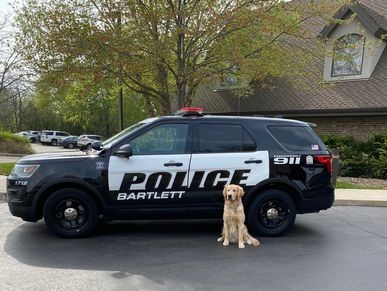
(5, 7)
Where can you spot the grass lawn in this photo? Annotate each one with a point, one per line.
(6, 168)
(348, 185)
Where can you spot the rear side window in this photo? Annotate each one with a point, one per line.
(296, 138)
(223, 138)
(48, 132)
(60, 133)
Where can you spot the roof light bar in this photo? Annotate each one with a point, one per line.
(190, 111)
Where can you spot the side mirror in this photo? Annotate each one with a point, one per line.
(124, 151)
(96, 145)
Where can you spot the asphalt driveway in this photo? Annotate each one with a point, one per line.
(344, 248)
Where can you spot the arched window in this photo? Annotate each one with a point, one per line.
(348, 52)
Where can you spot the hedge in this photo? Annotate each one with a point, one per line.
(360, 159)
(14, 144)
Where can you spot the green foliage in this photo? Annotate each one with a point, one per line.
(164, 51)
(14, 144)
(361, 159)
(6, 168)
(7, 136)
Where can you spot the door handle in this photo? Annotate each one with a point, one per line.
(253, 162)
(173, 164)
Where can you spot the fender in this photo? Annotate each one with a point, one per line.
(68, 180)
(251, 193)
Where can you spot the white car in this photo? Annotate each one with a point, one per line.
(32, 135)
(52, 137)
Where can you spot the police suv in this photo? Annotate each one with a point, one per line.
(176, 167)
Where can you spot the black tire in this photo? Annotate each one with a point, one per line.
(33, 140)
(70, 213)
(271, 213)
(54, 142)
(70, 146)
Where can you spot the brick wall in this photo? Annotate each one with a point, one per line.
(361, 127)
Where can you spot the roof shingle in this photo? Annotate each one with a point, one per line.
(345, 96)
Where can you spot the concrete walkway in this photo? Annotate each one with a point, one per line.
(344, 197)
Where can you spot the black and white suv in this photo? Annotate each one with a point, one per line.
(176, 167)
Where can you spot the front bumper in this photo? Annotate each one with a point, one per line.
(20, 202)
(26, 213)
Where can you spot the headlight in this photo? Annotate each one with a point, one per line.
(24, 171)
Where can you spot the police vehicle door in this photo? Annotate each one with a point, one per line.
(157, 172)
(224, 154)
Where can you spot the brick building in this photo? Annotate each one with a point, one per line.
(353, 100)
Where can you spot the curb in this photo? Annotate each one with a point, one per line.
(369, 203)
(13, 155)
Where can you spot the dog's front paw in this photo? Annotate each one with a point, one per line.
(220, 239)
(241, 245)
(225, 243)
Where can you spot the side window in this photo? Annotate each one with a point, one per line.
(295, 138)
(223, 138)
(162, 139)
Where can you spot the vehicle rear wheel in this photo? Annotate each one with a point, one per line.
(70, 146)
(54, 142)
(70, 213)
(272, 213)
(32, 139)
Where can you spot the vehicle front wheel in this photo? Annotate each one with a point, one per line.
(70, 146)
(54, 142)
(33, 140)
(70, 213)
(271, 213)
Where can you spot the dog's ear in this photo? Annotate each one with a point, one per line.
(240, 191)
(225, 191)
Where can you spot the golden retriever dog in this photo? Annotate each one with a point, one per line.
(234, 228)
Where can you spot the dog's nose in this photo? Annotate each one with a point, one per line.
(229, 197)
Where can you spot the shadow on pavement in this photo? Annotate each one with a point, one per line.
(133, 247)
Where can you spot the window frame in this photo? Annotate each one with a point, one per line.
(363, 38)
(188, 145)
(315, 139)
(244, 130)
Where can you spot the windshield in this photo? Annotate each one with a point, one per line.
(109, 142)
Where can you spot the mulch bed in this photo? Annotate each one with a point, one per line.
(365, 181)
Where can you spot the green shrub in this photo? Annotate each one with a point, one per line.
(13, 144)
(361, 159)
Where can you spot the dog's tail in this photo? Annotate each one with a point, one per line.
(254, 241)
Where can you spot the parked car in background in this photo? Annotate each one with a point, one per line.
(32, 135)
(69, 142)
(85, 140)
(51, 137)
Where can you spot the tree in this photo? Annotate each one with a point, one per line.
(14, 79)
(166, 50)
